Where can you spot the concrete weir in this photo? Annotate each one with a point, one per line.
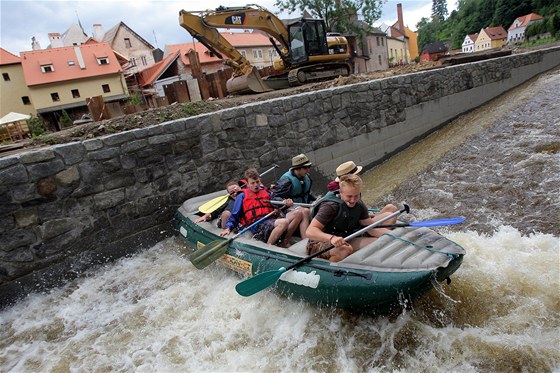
(67, 207)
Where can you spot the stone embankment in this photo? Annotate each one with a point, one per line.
(66, 207)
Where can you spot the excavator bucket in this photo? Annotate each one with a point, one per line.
(248, 83)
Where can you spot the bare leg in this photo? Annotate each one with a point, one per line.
(280, 226)
(294, 219)
(304, 224)
(339, 253)
(224, 218)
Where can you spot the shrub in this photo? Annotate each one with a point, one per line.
(36, 127)
(65, 119)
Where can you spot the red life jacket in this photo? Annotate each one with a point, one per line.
(254, 206)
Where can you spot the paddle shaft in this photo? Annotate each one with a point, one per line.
(261, 175)
(355, 234)
(252, 225)
(295, 204)
(427, 223)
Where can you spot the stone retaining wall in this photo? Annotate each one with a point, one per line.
(69, 206)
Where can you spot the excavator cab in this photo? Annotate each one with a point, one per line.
(307, 38)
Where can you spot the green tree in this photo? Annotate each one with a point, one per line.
(338, 14)
(508, 10)
(36, 126)
(439, 10)
(65, 119)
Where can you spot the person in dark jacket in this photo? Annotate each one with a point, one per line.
(295, 186)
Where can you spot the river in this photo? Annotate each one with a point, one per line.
(498, 166)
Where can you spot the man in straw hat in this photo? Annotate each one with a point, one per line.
(295, 186)
(346, 168)
(350, 168)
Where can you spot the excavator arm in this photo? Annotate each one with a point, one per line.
(203, 27)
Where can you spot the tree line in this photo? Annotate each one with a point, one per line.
(473, 15)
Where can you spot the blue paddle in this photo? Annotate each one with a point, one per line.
(427, 223)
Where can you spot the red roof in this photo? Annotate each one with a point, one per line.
(151, 73)
(473, 36)
(66, 63)
(6, 58)
(524, 20)
(496, 33)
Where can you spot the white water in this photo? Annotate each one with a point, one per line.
(156, 312)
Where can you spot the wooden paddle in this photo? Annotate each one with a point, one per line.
(209, 253)
(263, 280)
(214, 204)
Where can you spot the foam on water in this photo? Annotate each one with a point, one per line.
(156, 312)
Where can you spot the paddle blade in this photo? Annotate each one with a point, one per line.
(438, 222)
(208, 254)
(213, 204)
(259, 282)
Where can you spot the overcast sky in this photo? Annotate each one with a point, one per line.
(155, 21)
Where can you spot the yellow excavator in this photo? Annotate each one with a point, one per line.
(307, 52)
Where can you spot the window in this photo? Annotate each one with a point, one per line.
(6, 76)
(106, 88)
(26, 100)
(103, 60)
(55, 97)
(127, 43)
(377, 37)
(382, 42)
(379, 58)
(144, 60)
(243, 53)
(47, 68)
(132, 61)
(71, 63)
(75, 93)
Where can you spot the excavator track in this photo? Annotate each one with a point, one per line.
(325, 71)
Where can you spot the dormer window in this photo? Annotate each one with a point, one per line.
(102, 60)
(71, 63)
(46, 66)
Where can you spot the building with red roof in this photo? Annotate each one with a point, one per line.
(468, 43)
(516, 32)
(490, 37)
(63, 78)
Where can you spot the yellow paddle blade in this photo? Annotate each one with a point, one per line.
(212, 205)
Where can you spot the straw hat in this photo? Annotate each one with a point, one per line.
(299, 161)
(347, 168)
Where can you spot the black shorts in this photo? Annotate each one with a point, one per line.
(263, 230)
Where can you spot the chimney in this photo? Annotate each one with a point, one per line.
(98, 32)
(56, 40)
(79, 57)
(35, 44)
(400, 17)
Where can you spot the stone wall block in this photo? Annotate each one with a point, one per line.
(118, 138)
(161, 139)
(24, 192)
(103, 154)
(93, 144)
(44, 169)
(106, 200)
(119, 180)
(56, 227)
(68, 176)
(19, 237)
(71, 153)
(134, 145)
(8, 161)
(37, 156)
